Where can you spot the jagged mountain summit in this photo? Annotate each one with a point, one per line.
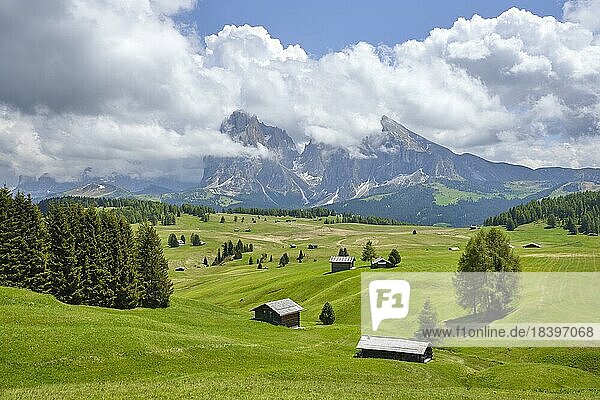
(393, 173)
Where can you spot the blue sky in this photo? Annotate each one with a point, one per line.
(324, 26)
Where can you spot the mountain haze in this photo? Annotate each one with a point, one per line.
(394, 173)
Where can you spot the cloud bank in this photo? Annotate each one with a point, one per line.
(120, 87)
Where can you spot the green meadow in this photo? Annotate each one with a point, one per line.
(205, 345)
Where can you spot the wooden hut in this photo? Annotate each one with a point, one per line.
(312, 246)
(341, 263)
(394, 349)
(532, 245)
(284, 312)
(380, 262)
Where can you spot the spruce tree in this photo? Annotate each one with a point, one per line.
(8, 254)
(62, 267)
(250, 261)
(24, 242)
(173, 242)
(428, 320)
(327, 316)
(368, 253)
(510, 225)
(182, 238)
(126, 284)
(394, 257)
(153, 269)
(570, 226)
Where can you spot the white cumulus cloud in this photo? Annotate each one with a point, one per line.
(118, 86)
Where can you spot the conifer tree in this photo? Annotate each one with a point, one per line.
(8, 254)
(394, 257)
(368, 253)
(570, 226)
(205, 262)
(62, 268)
(327, 316)
(250, 261)
(173, 242)
(428, 320)
(182, 238)
(153, 269)
(126, 283)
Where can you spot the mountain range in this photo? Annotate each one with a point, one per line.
(394, 173)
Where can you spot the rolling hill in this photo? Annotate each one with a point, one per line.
(206, 346)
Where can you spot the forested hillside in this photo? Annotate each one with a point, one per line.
(81, 255)
(577, 212)
(134, 210)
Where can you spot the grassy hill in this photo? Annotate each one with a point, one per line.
(206, 346)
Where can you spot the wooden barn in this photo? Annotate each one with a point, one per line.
(394, 349)
(312, 246)
(380, 262)
(532, 245)
(284, 312)
(340, 263)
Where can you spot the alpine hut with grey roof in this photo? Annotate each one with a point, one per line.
(394, 348)
(340, 263)
(284, 312)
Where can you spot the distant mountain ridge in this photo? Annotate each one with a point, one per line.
(393, 173)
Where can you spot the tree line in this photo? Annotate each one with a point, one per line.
(134, 210)
(577, 212)
(314, 212)
(81, 255)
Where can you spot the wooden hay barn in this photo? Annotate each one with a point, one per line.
(339, 263)
(312, 246)
(380, 262)
(394, 349)
(453, 248)
(284, 312)
(532, 245)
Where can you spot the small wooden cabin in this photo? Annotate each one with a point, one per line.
(454, 248)
(394, 349)
(312, 246)
(380, 262)
(532, 245)
(284, 312)
(341, 263)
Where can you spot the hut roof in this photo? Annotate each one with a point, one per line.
(341, 259)
(378, 260)
(532, 244)
(396, 345)
(282, 307)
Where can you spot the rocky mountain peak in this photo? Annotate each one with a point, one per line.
(396, 134)
(248, 130)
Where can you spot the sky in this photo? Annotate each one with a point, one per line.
(321, 27)
(140, 87)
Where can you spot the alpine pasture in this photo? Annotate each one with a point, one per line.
(205, 344)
